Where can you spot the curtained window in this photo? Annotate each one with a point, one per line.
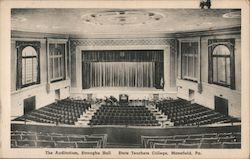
(122, 69)
(221, 62)
(27, 63)
(57, 61)
(189, 60)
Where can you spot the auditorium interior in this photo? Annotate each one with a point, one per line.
(126, 78)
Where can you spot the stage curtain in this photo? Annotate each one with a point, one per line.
(116, 68)
(120, 74)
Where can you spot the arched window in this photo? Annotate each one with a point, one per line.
(222, 63)
(27, 64)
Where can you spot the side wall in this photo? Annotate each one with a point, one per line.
(209, 91)
(43, 92)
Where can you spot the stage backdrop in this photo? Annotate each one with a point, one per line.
(127, 68)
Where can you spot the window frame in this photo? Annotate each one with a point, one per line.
(189, 78)
(230, 44)
(65, 75)
(20, 46)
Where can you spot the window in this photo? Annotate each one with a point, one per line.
(189, 60)
(221, 62)
(27, 63)
(56, 61)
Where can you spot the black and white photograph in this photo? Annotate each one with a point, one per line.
(142, 81)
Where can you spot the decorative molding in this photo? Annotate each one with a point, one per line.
(28, 43)
(74, 43)
(212, 32)
(37, 35)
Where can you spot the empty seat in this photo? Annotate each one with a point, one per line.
(212, 135)
(211, 145)
(192, 141)
(66, 145)
(60, 138)
(209, 140)
(13, 143)
(196, 136)
(164, 145)
(87, 144)
(59, 112)
(188, 146)
(43, 138)
(45, 144)
(151, 142)
(174, 141)
(180, 136)
(77, 138)
(28, 137)
(232, 145)
(26, 144)
(227, 139)
(15, 137)
(225, 135)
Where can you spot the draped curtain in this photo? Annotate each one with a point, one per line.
(122, 69)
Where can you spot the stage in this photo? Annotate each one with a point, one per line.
(134, 93)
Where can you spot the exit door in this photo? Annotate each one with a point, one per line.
(29, 104)
(221, 105)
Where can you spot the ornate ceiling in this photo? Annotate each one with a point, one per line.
(122, 21)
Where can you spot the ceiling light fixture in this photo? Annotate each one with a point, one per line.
(236, 14)
(122, 17)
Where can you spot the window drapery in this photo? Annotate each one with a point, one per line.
(189, 60)
(56, 58)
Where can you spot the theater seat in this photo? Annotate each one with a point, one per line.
(173, 141)
(65, 144)
(227, 139)
(151, 142)
(192, 141)
(45, 144)
(26, 144)
(60, 138)
(87, 144)
(211, 145)
(15, 137)
(209, 140)
(232, 145)
(43, 138)
(77, 138)
(13, 144)
(162, 145)
(196, 136)
(189, 146)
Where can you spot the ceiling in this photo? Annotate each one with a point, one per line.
(122, 21)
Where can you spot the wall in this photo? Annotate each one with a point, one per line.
(206, 97)
(44, 92)
(78, 45)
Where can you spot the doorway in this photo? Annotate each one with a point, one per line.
(29, 104)
(221, 105)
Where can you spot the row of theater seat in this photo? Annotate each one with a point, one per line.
(66, 111)
(55, 140)
(183, 113)
(123, 115)
(208, 140)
